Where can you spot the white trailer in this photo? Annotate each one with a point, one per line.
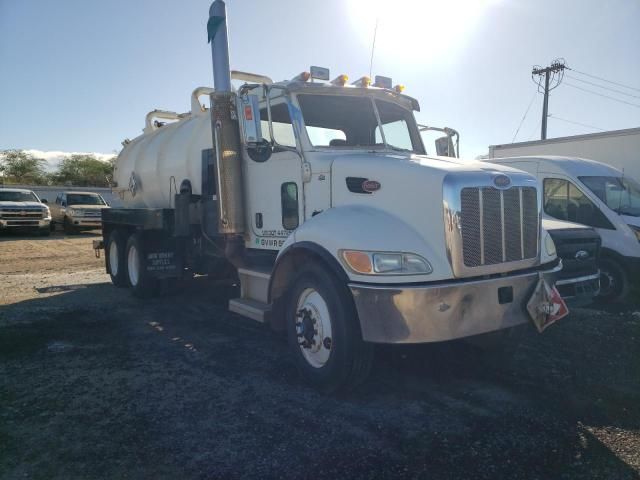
(618, 148)
(319, 198)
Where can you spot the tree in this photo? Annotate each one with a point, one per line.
(84, 171)
(17, 166)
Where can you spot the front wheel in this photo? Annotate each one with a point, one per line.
(68, 228)
(614, 283)
(323, 331)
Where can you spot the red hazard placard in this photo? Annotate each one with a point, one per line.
(546, 306)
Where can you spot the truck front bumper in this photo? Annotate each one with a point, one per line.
(25, 223)
(579, 291)
(446, 311)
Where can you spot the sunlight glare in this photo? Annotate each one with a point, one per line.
(406, 28)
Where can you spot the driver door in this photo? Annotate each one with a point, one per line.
(274, 187)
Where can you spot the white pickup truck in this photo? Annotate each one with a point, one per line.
(21, 209)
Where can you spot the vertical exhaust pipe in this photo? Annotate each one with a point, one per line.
(225, 128)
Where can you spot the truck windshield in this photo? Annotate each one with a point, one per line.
(84, 199)
(350, 121)
(18, 197)
(621, 194)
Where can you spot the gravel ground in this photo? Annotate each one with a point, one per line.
(95, 384)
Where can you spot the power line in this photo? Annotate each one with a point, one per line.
(603, 87)
(602, 95)
(604, 79)
(524, 116)
(575, 123)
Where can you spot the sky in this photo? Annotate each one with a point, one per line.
(80, 75)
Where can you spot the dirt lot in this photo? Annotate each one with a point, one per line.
(95, 384)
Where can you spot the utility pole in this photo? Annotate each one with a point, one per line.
(552, 77)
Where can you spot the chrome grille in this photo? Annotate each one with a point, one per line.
(20, 213)
(498, 226)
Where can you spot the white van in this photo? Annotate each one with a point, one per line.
(597, 195)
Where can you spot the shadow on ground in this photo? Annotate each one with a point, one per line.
(96, 384)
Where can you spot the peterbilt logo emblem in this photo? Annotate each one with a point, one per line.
(582, 255)
(501, 181)
(370, 186)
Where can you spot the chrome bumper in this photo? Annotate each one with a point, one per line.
(86, 221)
(433, 313)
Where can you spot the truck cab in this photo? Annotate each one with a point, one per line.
(318, 197)
(598, 196)
(21, 209)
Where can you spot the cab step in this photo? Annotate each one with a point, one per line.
(252, 309)
(254, 294)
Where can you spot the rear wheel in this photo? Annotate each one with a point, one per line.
(114, 253)
(614, 282)
(142, 284)
(323, 331)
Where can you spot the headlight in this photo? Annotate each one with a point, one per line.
(72, 211)
(549, 245)
(386, 263)
(635, 230)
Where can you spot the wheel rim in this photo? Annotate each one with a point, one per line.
(133, 265)
(313, 328)
(608, 282)
(113, 258)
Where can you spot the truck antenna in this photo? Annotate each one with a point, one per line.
(373, 47)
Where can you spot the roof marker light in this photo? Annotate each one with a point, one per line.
(399, 88)
(362, 82)
(383, 82)
(303, 77)
(340, 80)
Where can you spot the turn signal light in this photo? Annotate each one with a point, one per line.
(359, 262)
(362, 82)
(340, 80)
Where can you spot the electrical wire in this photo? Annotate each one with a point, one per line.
(601, 95)
(555, 117)
(524, 116)
(603, 79)
(603, 87)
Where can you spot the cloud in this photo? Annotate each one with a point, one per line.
(54, 157)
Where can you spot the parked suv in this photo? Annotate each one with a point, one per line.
(77, 211)
(22, 209)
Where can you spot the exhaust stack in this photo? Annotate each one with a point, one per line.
(225, 128)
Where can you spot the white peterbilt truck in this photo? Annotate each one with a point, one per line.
(319, 197)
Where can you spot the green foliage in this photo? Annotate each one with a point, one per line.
(84, 171)
(17, 166)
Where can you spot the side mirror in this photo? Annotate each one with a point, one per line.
(259, 149)
(64, 204)
(44, 200)
(444, 147)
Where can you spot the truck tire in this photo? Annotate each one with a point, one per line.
(114, 257)
(323, 331)
(67, 227)
(142, 284)
(614, 282)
